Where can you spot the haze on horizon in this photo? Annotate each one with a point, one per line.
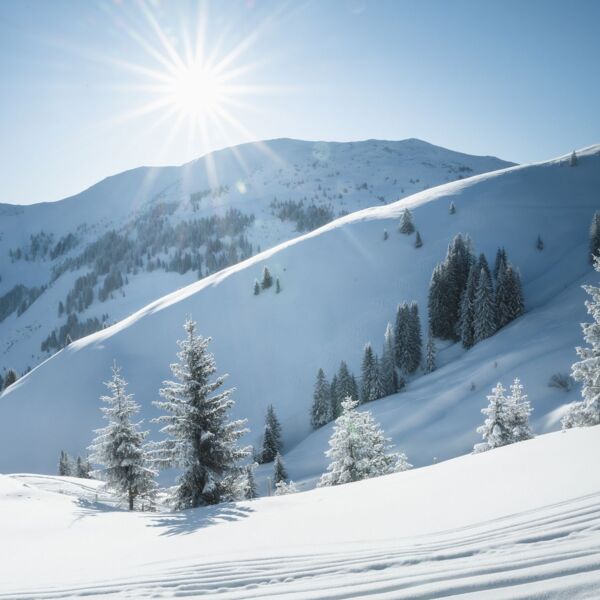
(94, 88)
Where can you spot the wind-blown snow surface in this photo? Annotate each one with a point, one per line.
(340, 286)
(521, 521)
(343, 177)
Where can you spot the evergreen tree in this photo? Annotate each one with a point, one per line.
(467, 309)
(500, 262)
(482, 263)
(438, 317)
(358, 449)
(414, 341)
(509, 297)
(595, 236)
(484, 322)
(118, 448)
(586, 412)
(256, 288)
(452, 208)
(369, 376)
(401, 328)
(430, 365)
(418, 240)
(497, 428)
(407, 338)
(345, 386)
(321, 404)
(10, 378)
(573, 159)
(406, 223)
(333, 398)
(250, 491)
(520, 410)
(82, 468)
(279, 470)
(267, 279)
(272, 436)
(283, 488)
(65, 465)
(201, 441)
(539, 243)
(277, 286)
(389, 376)
(385, 235)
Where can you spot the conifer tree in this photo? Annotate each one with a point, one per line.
(595, 236)
(279, 470)
(369, 376)
(267, 279)
(539, 243)
(418, 240)
(389, 376)
(430, 365)
(277, 286)
(201, 441)
(497, 428)
(333, 398)
(406, 223)
(452, 208)
(500, 262)
(484, 309)
(321, 404)
(573, 159)
(256, 288)
(118, 448)
(414, 340)
(272, 436)
(401, 328)
(358, 449)
(385, 235)
(467, 309)
(438, 317)
(345, 386)
(509, 296)
(65, 465)
(250, 491)
(586, 412)
(82, 468)
(520, 410)
(283, 488)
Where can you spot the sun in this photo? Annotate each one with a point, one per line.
(196, 91)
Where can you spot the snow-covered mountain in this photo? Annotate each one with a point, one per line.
(518, 522)
(71, 267)
(340, 286)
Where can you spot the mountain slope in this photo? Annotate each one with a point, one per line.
(340, 286)
(71, 267)
(521, 521)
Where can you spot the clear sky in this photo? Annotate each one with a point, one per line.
(92, 88)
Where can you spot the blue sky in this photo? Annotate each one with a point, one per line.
(517, 79)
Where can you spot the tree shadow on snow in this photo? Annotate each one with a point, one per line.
(192, 519)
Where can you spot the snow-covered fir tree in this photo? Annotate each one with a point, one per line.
(430, 364)
(500, 262)
(370, 388)
(10, 378)
(118, 448)
(452, 208)
(389, 376)
(415, 341)
(358, 449)
(201, 440)
(586, 412)
(334, 406)
(65, 465)
(320, 410)
(595, 236)
(279, 470)
(496, 430)
(256, 287)
(539, 243)
(345, 386)
(406, 222)
(272, 436)
(521, 410)
(407, 338)
(250, 490)
(267, 279)
(509, 296)
(467, 309)
(418, 240)
(484, 310)
(82, 468)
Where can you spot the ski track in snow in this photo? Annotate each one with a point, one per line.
(506, 558)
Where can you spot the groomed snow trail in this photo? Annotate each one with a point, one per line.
(518, 522)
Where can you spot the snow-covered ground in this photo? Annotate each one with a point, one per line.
(521, 521)
(340, 286)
